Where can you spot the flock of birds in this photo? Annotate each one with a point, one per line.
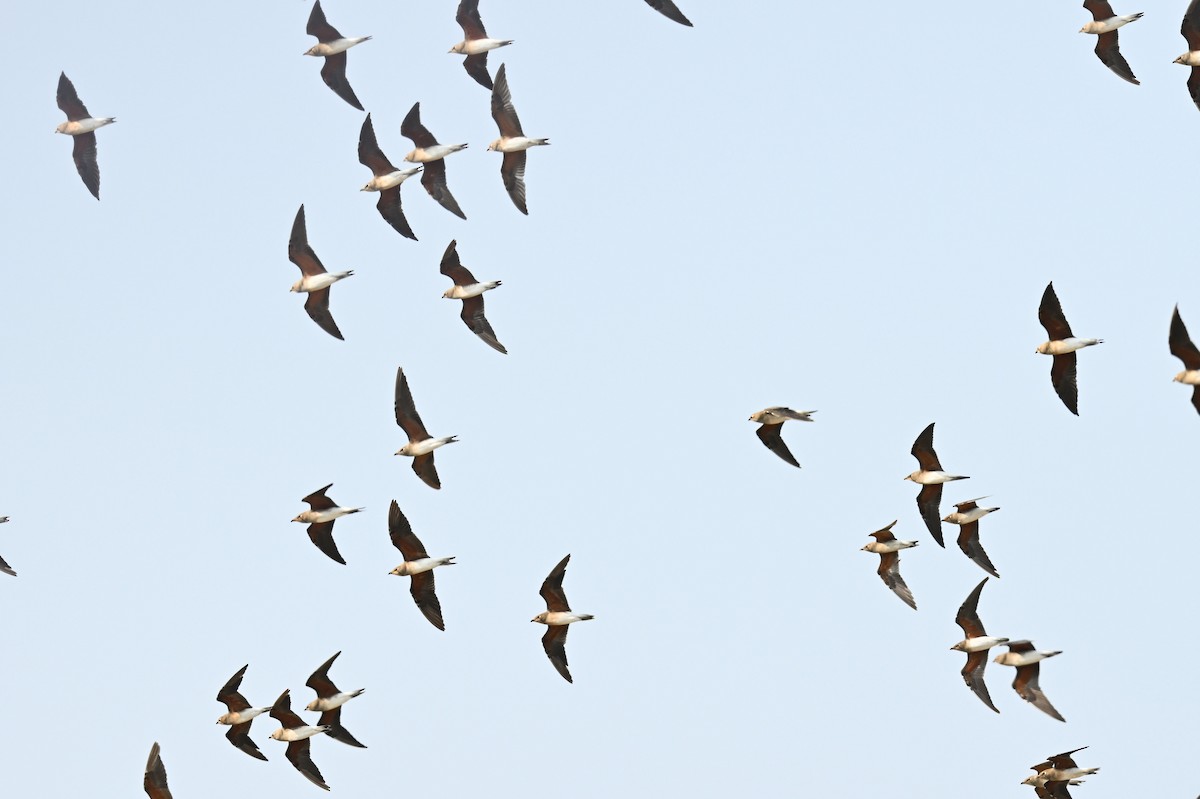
(1051, 778)
(429, 155)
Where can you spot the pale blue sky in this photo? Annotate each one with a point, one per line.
(852, 207)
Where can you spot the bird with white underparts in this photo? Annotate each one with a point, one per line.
(1062, 345)
(315, 280)
(81, 127)
(512, 142)
(329, 703)
(1022, 656)
(975, 645)
(476, 44)
(557, 617)
(332, 46)
(321, 513)
(385, 180)
(420, 444)
(417, 565)
(931, 478)
(240, 715)
(433, 155)
(296, 734)
(888, 547)
(770, 433)
(1104, 25)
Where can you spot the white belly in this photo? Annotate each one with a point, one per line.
(477, 46)
(319, 516)
(79, 126)
(413, 449)
(331, 702)
(336, 46)
(1063, 346)
(981, 644)
(296, 733)
(385, 182)
(318, 282)
(559, 617)
(515, 144)
(884, 547)
(423, 155)
(242, 716)
(973, 515)
(932, 478)
(475, 289)
(1190, 377)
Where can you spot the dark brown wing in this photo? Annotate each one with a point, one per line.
(968, 542)
(317, 306)
(1109, 52)
(555, 644)
(282, 712)
(433, 178)
(319, 680)
(1100, 9)
(1057, 789)
(299, 252)
(336, 731)
(369, 154)
(155, 781)
(1063, 760)
(318, 501)
(4, 567)
(68, 100)
(472, 316)
(403, 537)
(889, 572)
(413, 129)
(239, 736)
(669, 10)
(968, 617)
(318, 26)
(770, 435)
(552, 590)
(392, 212)
(502, 107)
(422, 590)
(1062, 377)
(406, 410)
(1050, 314)
(476, 67)
(424, 467)
(1020, 646)
(922, 450)
(229, 692)
(1191, 31)
(321, 534)
(886, 533)
(512, 172)
(84, 153)
(1196, 398)
(1193, 84)
(298, 752)
(468, 18)
(334, 75)
(452, 267)
(1026, 686)
(970, 504)
(929, 501)
(972, 674)
(1181, 343)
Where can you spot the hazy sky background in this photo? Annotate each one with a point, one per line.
(851, 208)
